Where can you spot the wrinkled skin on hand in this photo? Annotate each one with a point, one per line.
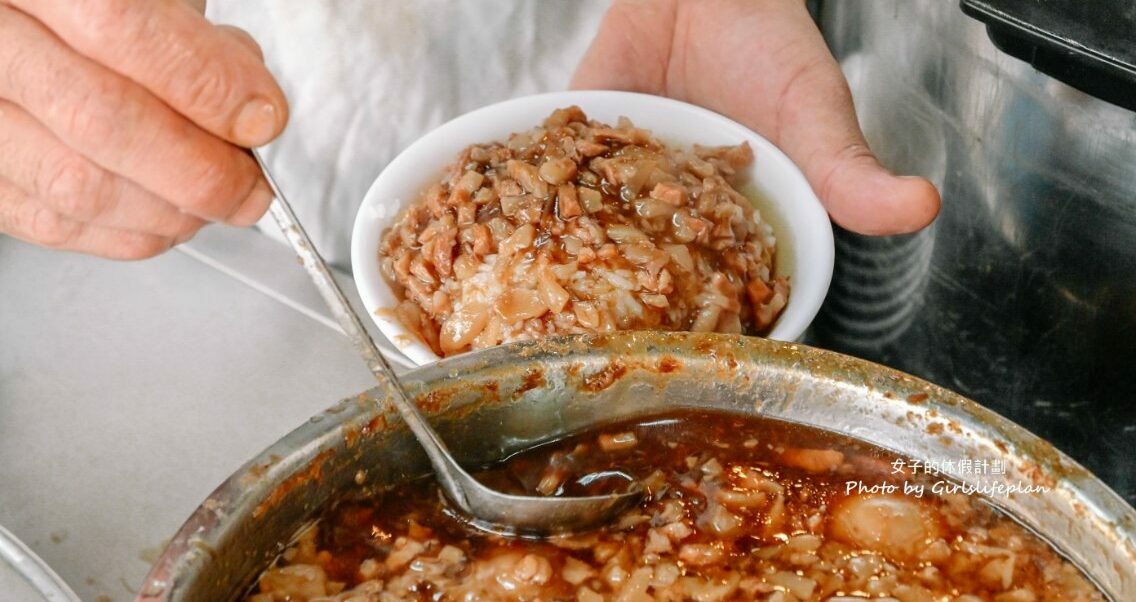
(123, 124)
(764, 64)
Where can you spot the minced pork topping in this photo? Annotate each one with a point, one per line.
(580, 227)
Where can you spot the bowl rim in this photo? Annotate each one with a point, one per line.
(811, 235)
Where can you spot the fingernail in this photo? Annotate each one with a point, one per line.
(254, 206)
(256, 123)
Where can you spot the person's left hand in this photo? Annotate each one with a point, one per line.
(764, 64)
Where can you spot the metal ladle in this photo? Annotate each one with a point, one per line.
(489, 509)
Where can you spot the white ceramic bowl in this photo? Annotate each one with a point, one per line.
(804, 234)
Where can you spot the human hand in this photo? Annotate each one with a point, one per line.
(122, 124)
(764, 64)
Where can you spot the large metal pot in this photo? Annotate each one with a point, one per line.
(1023, 294)
(489, 403)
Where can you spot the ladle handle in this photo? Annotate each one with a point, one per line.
(349, 320)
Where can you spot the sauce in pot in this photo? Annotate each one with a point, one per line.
(739, 508)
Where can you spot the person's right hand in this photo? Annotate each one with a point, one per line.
(123, 124)
(764, 64)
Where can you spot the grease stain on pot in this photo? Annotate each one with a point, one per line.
(313, 473)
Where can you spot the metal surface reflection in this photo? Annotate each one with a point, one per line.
(1023, 295)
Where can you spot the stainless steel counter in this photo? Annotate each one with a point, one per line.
(1022, 296)
(128, 391)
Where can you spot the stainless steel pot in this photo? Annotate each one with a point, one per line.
(489, 403)
(1023, 294)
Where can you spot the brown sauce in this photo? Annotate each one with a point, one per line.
(740, 508)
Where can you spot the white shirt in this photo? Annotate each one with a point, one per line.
(365, 78)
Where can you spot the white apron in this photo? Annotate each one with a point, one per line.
(365, 78)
